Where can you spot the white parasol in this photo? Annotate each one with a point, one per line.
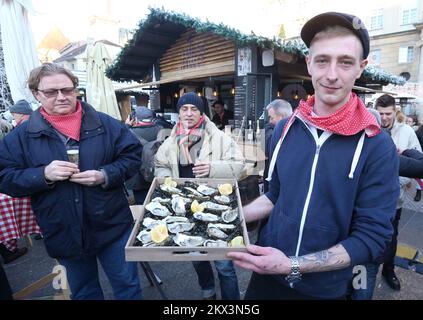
(100, 91)
(20, 53)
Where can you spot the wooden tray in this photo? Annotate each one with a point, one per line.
(176, 253)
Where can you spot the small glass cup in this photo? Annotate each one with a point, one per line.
(73, 154)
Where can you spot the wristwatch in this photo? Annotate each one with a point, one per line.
(295, 275)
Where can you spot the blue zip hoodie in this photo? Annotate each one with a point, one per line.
(331, 190)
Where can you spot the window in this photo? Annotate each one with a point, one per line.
(374, 57)
(376, 21)
(406, 54)
(409, 16)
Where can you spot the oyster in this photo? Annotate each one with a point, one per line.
(214, 207)
(222, 199)
(170, 189)
(150, 223)
(209, 217)
(216, 233)
(184, 240)
(206, 190)
(178, 206)
(229, 215)
(222, 226)
(172, 219)
(215, 243)
(144, 236)
(157, 209)
(161, 200)
(186, 200)
(195, 194)
(177, 227)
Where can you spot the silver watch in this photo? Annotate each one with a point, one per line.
(295, 274)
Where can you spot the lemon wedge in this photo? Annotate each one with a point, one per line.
(170, 183)
(225, 189)
(195, 207)
(237, 242)
(159, 233)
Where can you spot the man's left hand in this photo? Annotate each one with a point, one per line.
(89, 178)
(262, 260)
(201, 170)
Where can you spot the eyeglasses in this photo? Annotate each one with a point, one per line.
(52, 93)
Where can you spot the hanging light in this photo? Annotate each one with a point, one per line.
(215, 92)
(232, 90)
(278, 94)
(296, 95)
(176, 95)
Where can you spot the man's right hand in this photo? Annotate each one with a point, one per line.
(60, 170)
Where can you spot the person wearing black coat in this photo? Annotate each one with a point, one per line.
(80, 206)
(411, 164)
(146, 126)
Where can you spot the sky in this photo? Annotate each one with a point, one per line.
(261, 16)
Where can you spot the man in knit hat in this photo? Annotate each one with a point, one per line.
(196, 148)
(21, 111)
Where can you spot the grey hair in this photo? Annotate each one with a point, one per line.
(281, 107)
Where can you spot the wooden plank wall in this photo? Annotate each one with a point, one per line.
(198, 54)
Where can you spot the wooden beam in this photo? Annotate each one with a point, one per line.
(285, 57)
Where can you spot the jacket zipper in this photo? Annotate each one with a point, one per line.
(319, 142)
(307, 202)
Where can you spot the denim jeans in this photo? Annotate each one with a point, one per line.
(372, 269)
(228, 280)
(83, 278)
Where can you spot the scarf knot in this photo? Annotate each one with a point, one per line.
(348, 120)
(67, 124)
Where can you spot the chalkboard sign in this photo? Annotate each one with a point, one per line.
(155, 100)
(240, 101)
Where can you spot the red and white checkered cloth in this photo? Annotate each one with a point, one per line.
(16, 220)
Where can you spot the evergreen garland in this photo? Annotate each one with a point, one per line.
(296, 47)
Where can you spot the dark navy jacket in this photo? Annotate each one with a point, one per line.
(411, 164)
(317, 205)
(75, 220)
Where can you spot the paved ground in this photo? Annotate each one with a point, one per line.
(179, 278)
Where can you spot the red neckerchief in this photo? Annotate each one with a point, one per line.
(68, 124)
(348, 120)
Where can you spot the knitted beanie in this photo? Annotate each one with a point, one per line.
(190, 98)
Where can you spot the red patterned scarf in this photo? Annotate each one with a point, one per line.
(348, 120)
(68, 124)
(186, 138)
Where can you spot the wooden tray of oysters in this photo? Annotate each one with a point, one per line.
(188, 220)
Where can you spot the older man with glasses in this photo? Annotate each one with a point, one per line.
(81, 208)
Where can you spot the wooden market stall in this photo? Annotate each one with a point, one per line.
(172, 53)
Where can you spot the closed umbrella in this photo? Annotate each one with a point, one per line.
(20, 53)
(100, 91)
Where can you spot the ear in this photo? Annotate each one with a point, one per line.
(36, 95)
(308, 62)
(363, 65)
